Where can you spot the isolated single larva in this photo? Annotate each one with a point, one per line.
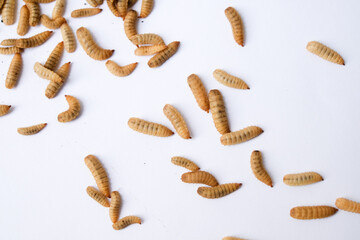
(54, 87)
(218, 111)
(99, 174)
(149, 50)
(312, 212)
(236, 25)
(149, 128)
(73, 112)
(218, 191)
(98, 196)
(200, 177)
(126, 221)
(54, 58)
(199, 92)
(348, 205)
(33, 41)
(85, 12)
(8, 42)
(324, 52)
(52, 23)
(93, 3)
(45, 73)
(4, 109)
(147, 38)
(185, 163)
(177, 121)
(232, 238)
(240, 136)
(23, 25)
(59, 9)
(39, 1)
(258, 168)
(146, 8)
(8, 12)
(32, 129)
(300, 179)
(130, 24)
(34, 17)
(161, 57)
(229, 80)
(120, 71)
(14, 71)
(68, 38)
(10, 50)
(122, 7)
(90, 46)
(115, 205)
(112, 7)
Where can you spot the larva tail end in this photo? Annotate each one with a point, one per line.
(343, 63)
(271, 185)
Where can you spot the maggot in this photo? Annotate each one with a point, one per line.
(348, 205)
(14, 72)
(4, 109)
(85, 12)
(54, 58)
(99, 174)
(229, 80)
(54, 87)
(146, 8)
(126, 221)
(68, 38)
(324, 52)
(161, 57)
(218, 191)
(33, 41)
(241, 136)
(149, 128)
(236, 25)
(218, 111)
(52, 23)
(73, 112)
(185, 163)
(98, 196)
(45, 73)
(32, 129)
(200, 177)
(258, 169)
(312, 212)
(120, 71)
(177, 121)
(199, 92)
(300, 179)
(115, 205)
(23, 25)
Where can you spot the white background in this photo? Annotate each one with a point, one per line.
(309, 109)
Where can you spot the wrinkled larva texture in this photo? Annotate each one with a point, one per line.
(39, 1)
(161, 57)
(23, 25)
(99, 174)
(232, 238)
(14, 72)
(98, 196)
(149, 128)
(122, 7)
(45, 73)
(73, 112)
(218, 191)
(54, 58)
(218, 111)
(146, 8)
(131, 3)
(300, 179)
(34, 18)
(126, 221)
(177, 121)
(130, 24)
(85, 12)
(149, 50)
(200, 177)
(8, 12)
(312, 212)
(325, 52)
(8, 42)
(93, 3)
(229, 80)
(348, 205)
(147, 38)
(10, 50)
(115, 205)
(1, 4)
(241, 136)
(185, 163)
(33, 41)
(52, 23)
(258, 169)
(199, 92)
(120, 71)
(236, 25)
(112, 7)
(54, 87)
(68, 38)
(59, 9)
(4, 109)
(32, 129)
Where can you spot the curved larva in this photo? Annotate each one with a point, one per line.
(39, 1)
(130, 24)
(324, 52)
(185, 163)
(147, 38)
(98, 196)
(131, 3)
(54, 87)
(10, 50)
(73, 112)
(122, 7)
(218, 111)
(149, 50)
(8, 42)
(34, 17)
(199, 92)
(177, 121)
(14, 71)
(149, 128)
(99, 174)
(112, 7)
(8, 12)
(32, 129)
(23, 25)
(115, 205)
(93, 3)
(161, 57)
(85, 12)
(54, 57)
(300, 179)
(126, 221)
(232, 238)
(45, 73)
(241, 136)
(312, 212)
(59, 9)
(200, 177)
(218, 191)
(146, 8)
(33, 41)
(229, 80)
(258, 168)
(120, 71)
(236, 25)
(90, 46)
(348, 205)
(52, 23)
(68, 38)
(4, 109)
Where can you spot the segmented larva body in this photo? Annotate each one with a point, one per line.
(200, 177)
(1, 4)
(232, 238)
(10, 50)
(45, 73)
(8, 12)
(99, 174)
(54, 57)
(33, 41)
(312, 212)
(34, 17)
(93, 3)
(115, 205)
(54, 87)
(348, 205)
(146, 8)
(147, 38)
(199, 92)
(68, 38)
(218, 191)
(8, 42)
(85, 12)
(300, 179)
(325, 52)
(122, 7)
(73, 112)
(52, 23)
(130, 24)
(149, 128)
(161, 57)
(131, 3)
(236, 25)
(32, 129)
(98, 196)
(120, 71)
(185, 163)
(149, 50)
(229, 80)
(4, 109)
(126, 221)
(177, 121)
(39, 1)
(90, 46)
(218, 111)
(59, 9)
(241, 136)
(112, 7)
(23, 25)
(258, 168)
(14, 71)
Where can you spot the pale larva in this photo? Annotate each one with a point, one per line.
(218, 191)
(8, 12)
(149, 128)
(23, 25)
(348, 205)
(4, 109)
(120, 71)
(258, 168)
(236, 25)
(8, 42)
(200, 177)
(98, 196)
(177, 121)
(146, 8)
(32, 129)
(149, 50)
(99, 174)
(240, 136)
(54, 87)
(85, 12)
(229, 80)
(185, 163)
(34, 17)
(325, 52)
(300, 179)
(59, 9)
(115, 205)
(45, 73)
(52, 23)
(68, 38)
(10, 50)
(130, 24)
(161, 57)
(147, 38)
(33, 41)
(199, 92)
(126, 221)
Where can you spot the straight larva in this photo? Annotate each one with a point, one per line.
(149, 128)
(54, 58)
(236, 25)
(112, 7)
(161, 57)
(177, 121)
(52, 23)
(122, 7)
(4, 109)
(199, 92)
(149, 50)
(73, 112)
(120, 71)
(241, 136)
(348, 205)
(45, 73)
(218, 191)
(126, 221)
(130, 24)
(33, 41)
(85, 12)
(300, 179)
(34, 17)
(115, 205)
(32, 129)
(10, 50)
(229, 80)
(200, 177)
(218, 111)
(54, 87)
(147, 38)
(325, 52)
(99, 174)
(8, 12)
(23, 25)
(312, 212)
(68, 38)
(59, 9)
(98, 196)
(258, 169)
(8, 42)
(14, 72)
(185, 163)
(146, 8)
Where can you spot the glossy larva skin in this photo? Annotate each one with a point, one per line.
(34, 9)
(229, 80)
(241, 136)
(312, 212)
(177, 121)
(130, 23)
(68, 38)
(149, 50)
(325, 52)
(4, 109)
(98, 196)
(59, 9)
(32, 129)
(85, 12)
(14, 72)
(348, 205)
(23, 25)
(149, 128)
(236, 25)
(115, 205)
(146, 8)
(147, 38)
(258, 169)
(161, 57)
(33, 41)
(10, 50)
(73, 112)
(120, 71)
(54, 58)
(185, 163)
(218, 191)
(199, 92)
(54, 87)
(126, 221)
(301, 179)
(45, 73)
(200, 177)
(112, 7)
(8, 42)
(218, 111)
(52, 23)
(99, 174)
(8, 12)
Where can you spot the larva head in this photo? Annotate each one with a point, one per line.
(229, 9)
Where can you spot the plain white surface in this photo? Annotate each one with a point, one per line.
(308, 108)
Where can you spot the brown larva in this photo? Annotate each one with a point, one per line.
(130, 24)
(241, 136)
(59, 9)
(126, 221)
(73, 112)
(54, 57)
(39, 1)
(300, 179)
(14, 71)
(4, 109)
(232, 238)
(112, 7)
(258, 169)
(177, 121)
(199, 92)
(10, 50)
(45, 73)
(1, 4)
(218, 191)
(348, 205)
(54, 87)
(68, 38)
(161, 57)
(218, 111)
(115, 205)
(32, 129)
(99, 174)
(52, 23)
(85, 12)
(131, 3)
(93, 3)
(229, 80)
(23, 25)
(33, 41)
(324, 52)
(185, 163)
(149, 50)
(34, 17)
(120, 71)
(98, 196)
(8, 42)
(146, 8)
(236, 25)
(149, 128)
(200, 177)
(90, 46)
(122, 7)
(8, 12)
(312, 212)
(147, 38)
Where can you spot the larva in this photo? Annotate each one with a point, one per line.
(200, 177)
(177, 121)
(93, 3)
(8, 12)
(73, 112)
(68, 38)
(54, 57)
(10, 50)
(98, 196)
(218, 191)
(45, 73)
(90, 47)
(32, 129)
(8, 42)
(258, 168)
(147, 38)
(241, 136)
(185, 163)
(34, 17)
(146, 8)
(4, 109)
(23, 25)
(131, 3)
(14, 71)
(199, 92)
(99, 174)
(85, 12)
(348, 205)
(232, 238)
(33, 41)
(120, 71)
(39, 1)
(218, 111)
(324, 52)
(122, 7)
(1, 4)
(115, 205)
(161, 57)
(126, 221)
(300, 179)
(59, 9)
(236, 25)
(229, 80)
(149, 50)
(312, 212)
(149, 128)
(130, 24)
(52, 23)
(112, 7)
(54, 87)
